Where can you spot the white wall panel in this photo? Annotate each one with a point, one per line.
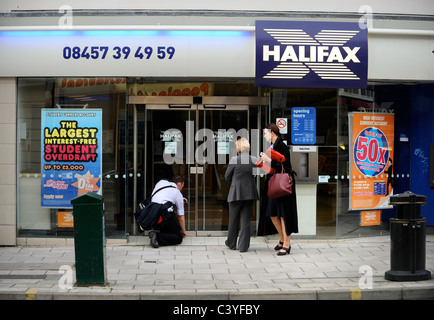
(69, 53)
(400, 57)
(424, 7)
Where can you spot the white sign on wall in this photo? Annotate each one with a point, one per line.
(197, 53)
(282, 123)
(127, 53)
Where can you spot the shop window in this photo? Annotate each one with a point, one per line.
(324, 101)
(362, 180)
(34, 94)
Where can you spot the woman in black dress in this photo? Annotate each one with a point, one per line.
(282, 211)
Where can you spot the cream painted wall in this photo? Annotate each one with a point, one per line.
(8, 161)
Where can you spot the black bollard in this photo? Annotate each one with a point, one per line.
(407, 239)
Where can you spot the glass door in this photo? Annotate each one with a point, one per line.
(169, 140)
(195, 142)
(174, 136)
(218, 129)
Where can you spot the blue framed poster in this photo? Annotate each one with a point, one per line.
(303, 125)
(71, 155)
(311, 54)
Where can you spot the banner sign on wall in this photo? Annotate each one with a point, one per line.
(371, 159)
(311, 54)
(127, 53)
(71, 157)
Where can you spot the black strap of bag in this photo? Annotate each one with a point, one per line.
(143, 203)
(170, 186)
(140, 212)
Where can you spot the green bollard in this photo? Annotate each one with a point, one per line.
(89, 239)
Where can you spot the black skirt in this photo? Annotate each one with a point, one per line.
(276, 207)
(284, 207)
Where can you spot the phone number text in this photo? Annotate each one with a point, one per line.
(103, 52)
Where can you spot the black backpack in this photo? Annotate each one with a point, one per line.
(148, 213)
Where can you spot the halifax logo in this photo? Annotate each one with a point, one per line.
(311, 54)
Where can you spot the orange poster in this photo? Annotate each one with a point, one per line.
(65, 219)
(370, 218)
(371, 156)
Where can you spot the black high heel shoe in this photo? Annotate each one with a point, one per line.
(279, 246)
(287, 251)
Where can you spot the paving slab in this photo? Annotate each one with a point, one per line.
(203, 268)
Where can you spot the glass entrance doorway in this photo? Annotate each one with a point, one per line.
(175, 136)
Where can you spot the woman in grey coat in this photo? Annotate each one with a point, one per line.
(242, 195)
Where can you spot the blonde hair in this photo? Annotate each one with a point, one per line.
(242, 145)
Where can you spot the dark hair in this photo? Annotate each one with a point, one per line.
(274, 128)
(177, 179)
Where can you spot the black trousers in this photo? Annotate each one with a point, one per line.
(239, 210)
(170, 233)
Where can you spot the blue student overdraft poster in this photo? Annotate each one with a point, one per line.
(71, 155)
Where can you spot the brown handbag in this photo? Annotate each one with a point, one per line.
(280, 185)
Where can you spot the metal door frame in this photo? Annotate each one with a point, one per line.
(229, 103)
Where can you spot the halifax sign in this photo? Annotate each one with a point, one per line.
(311, 54)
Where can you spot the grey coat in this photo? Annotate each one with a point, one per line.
(239, 171)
